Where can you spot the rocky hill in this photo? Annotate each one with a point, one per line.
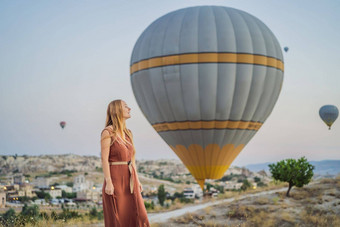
(48, 163)
(171, 170)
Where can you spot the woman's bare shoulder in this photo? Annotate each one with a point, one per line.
(107, 130)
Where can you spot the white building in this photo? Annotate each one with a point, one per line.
(66, 188)
(81, 184)
(19, 178)
(89, 195)
(189, 193)
(230, 185)
(54, 192)
(26, 190)
(194, 191)
(42, 182)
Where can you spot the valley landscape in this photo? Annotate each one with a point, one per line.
(265, 205)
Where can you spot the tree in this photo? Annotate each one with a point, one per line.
(295, 172)
(149, 206)
(219, 188)
(69, 195)
(54, 215)
(161, 194)
(9, 216)
(44, 215)
(209, 186)
(257, 179)
(29, 214)
(43, 195)
(246, 184)
(93, 213)
(47, 197)
(24, 199)
(30, 210)
(178, 195)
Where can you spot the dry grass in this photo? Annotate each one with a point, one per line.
(261, 219)
(241, 212)
(156, 224)
(286, 217)
(317, 217)
(276, 200)
(329, 181)
(332, 192)
(79, 222)
(176, 204)
(189, 218)
(302, 193)
(207, 210)
(227, 195)
(262, 201)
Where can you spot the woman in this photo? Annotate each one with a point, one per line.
(123, 204)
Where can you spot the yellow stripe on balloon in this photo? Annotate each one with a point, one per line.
(208, 163)
(179, 59)
(194, 170)
(194, 125)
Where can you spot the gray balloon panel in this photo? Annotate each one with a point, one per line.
(207, 92)
(220, 137)
(206, 29)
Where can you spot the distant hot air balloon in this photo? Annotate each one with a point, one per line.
(62, 124)
(286, 49)
(329, 114)
(206, 78)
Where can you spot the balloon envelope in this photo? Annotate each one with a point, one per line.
(62, 124)
(329, 114)
(206, 78)
(286, 49)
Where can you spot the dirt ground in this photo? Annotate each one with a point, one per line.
(317, 204)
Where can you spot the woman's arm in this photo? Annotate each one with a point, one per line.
(105, 151)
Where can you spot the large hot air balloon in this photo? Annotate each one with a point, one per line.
(206, 78)
(329, 114)
(62, 124)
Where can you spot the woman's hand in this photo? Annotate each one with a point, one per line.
(109, 189)
(140, 188)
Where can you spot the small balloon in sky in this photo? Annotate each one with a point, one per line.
(329, 114)
(62, 124)
(286, 49)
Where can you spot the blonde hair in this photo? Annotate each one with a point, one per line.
(114, 118)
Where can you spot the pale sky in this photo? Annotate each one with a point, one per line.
(66, 60)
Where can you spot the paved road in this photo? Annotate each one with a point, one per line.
(163, 217)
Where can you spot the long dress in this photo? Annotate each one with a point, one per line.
(123, 209)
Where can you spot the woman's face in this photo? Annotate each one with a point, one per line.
(126, 110)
